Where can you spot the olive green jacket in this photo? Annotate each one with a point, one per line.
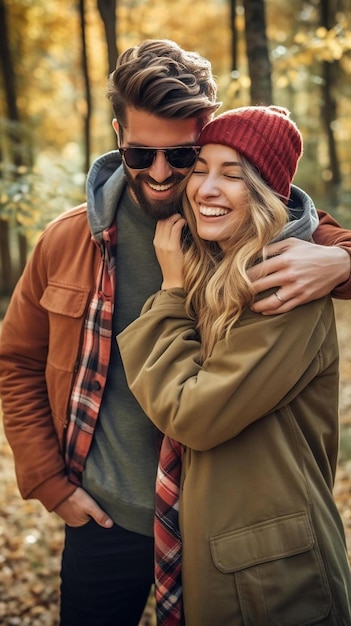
(263, 542)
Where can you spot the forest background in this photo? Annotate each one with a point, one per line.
(54, 116)
(55, 56)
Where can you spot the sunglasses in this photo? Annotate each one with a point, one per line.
(141, 158)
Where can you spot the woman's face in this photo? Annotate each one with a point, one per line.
(217, 193)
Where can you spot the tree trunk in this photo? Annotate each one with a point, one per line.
(12, 114)
(7, 66)
(329, 105)
(87, 116)
(257, 52)
(234, 39)
(6, 283)
(107, 9)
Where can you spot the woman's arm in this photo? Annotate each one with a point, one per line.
(265, 364)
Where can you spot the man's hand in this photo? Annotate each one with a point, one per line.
(80, 508)
(167, 242)
(300, 272)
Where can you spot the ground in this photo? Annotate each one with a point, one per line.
(31, 539)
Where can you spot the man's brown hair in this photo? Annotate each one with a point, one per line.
(161, 78)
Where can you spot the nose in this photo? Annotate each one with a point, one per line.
(160, 169)
(208, 187)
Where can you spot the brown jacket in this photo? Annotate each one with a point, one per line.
(40, 348)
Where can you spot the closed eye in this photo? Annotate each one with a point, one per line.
(198, 172)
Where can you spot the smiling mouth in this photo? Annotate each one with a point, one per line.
(160, 187)
(214, 211)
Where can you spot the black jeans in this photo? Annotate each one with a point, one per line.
(106, 576)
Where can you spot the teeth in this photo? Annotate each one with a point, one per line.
(160, 187)
(213, 211)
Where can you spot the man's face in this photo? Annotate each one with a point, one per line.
(156, 188)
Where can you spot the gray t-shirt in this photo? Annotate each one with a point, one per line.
(121, 466)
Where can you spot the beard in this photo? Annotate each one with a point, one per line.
(157, 209)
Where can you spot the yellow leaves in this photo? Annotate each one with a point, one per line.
(302, 38)
(322, 45)
(31, 197)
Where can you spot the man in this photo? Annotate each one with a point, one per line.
(82, 444)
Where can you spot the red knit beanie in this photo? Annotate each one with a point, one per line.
(266, 136)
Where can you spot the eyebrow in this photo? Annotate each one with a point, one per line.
(225, 163)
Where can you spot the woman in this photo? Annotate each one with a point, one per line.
(252, 399)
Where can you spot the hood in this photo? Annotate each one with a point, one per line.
(105, 184)
(303, 216)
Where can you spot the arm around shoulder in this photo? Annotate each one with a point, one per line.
(330, 233)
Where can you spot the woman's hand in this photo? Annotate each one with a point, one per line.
(167, 242)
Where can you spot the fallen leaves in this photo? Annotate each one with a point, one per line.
(31, 541)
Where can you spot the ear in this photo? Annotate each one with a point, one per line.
(115, 126)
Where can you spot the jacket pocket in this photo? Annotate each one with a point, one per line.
(278, 570)
(65, 300)
(65, 306)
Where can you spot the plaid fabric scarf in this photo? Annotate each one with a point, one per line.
(91, 377)
(168, 543)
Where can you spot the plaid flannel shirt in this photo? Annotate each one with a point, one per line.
(168, 541)
(84, 410)
(91, 377)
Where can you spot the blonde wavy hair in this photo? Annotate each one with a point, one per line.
(217, 283)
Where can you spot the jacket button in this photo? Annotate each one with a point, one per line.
(95, 385)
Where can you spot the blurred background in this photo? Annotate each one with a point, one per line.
(54, 116)
(56, 56)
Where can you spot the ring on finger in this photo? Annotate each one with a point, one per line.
(279, 297)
